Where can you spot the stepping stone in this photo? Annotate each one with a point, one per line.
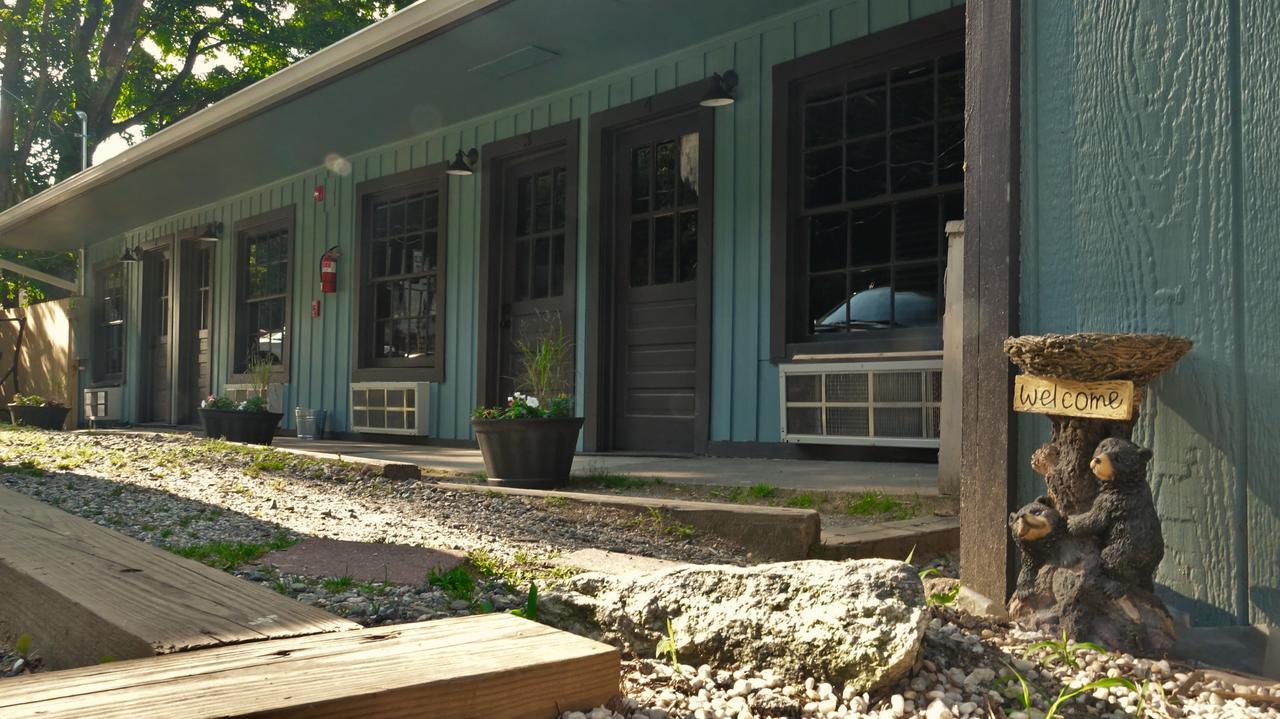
(362, 561)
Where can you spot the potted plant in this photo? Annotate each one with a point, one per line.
(530, 442)
(32, 410)
(250, 421)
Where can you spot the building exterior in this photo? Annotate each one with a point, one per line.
(1112, 175)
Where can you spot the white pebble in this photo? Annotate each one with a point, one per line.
(938, 710)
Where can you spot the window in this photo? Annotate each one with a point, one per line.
(401, 266)
(108, 358)
(264, 247)
(874, 150)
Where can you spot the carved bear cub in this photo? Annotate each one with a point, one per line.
(1040, 532)
(1123, 517)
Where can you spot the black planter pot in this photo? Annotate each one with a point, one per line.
(34, 416)
(236, 426)
(529, 453)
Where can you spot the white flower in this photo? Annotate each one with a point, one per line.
(532, 402)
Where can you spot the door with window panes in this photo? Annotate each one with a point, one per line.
(157, 287)
(661, 218)
(537, 277)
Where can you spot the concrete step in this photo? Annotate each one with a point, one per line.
(928, 536)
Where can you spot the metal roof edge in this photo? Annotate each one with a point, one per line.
(361, 47)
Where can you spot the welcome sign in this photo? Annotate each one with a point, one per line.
(1111, 399)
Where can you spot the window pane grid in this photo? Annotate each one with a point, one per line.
(401, 275)
(881, 171)
(109, 360)
(537, 247)
(263, 289)
(664, 220)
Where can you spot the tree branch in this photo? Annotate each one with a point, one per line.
(193, 53)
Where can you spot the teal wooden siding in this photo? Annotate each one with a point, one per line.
(1150, 148)
(744, 383)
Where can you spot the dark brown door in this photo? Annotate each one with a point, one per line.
(193, 323)
(537, 268)
(662, 216)
(157, 388)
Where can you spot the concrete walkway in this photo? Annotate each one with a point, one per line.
(888, 477)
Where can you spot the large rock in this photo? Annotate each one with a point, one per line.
(859, 622)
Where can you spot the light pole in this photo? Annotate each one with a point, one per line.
(84, 139)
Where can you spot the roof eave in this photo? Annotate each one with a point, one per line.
(382, 38)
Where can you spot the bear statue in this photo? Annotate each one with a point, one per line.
(1059, 572)
(1122, 517)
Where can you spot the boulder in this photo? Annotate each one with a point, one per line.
(860, 623)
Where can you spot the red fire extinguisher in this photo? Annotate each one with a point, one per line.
(329, 271)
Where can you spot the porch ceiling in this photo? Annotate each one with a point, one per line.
(415, 89)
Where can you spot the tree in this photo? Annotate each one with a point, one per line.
(136, 67)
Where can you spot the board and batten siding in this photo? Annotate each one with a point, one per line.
(744, 382)
(1150, 147)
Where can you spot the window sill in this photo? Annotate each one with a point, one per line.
(397, 374)
(905, 341)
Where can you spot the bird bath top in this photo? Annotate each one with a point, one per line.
(1094, 356)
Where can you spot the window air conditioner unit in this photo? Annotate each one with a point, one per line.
(103, 404)
(391, 408)
(239, 392)
(886, 403)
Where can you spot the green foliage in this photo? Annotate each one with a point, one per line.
(229, 555)
(456, 583)
(1063, 650)
(544, 381)
(1066, 695)
(336, 585)
(804, 500)
(34, 400)
(874, 504)
(218, 402)
(606, 480)
(762, 491)
(22, 647)
(667, 645)
(530, 609)
(944, 598)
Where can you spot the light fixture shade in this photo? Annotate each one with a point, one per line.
(721, 91)
(462, 164)
(130, 255)
(212, 232)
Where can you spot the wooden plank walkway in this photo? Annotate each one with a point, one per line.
(84, 592)
(494, 666)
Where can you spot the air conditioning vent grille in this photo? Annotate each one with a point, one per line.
(389, 407)
(875, 403)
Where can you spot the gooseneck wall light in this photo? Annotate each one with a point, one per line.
(721, 91)
(463, 164)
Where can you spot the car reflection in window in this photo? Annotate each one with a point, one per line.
(870, 310)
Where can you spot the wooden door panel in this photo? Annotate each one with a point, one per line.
(656, 277)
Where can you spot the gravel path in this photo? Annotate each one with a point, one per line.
(177, 491)
(180, 492)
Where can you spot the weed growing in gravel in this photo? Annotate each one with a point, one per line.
(667, 645)
(281, 587)
(22, 647)
(530, 609)
(337, 585)
(229, 555)
(554, 501)
(804, 500)
(1063, 650)
(266, 464)
(663, 524)
(522, 569)
(29, 467)
(762, 491)
(456, 583)
(605, 480)
(879, 504)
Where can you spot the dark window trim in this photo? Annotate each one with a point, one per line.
(431, 177)
(114, 379)
(877, 51)
(281, 218)
(497, 156)
(605, 126)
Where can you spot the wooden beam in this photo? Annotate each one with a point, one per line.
(69, 285)
(987, 466)
(495, 666)
(84, 593)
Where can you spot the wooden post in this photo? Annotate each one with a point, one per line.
(991, 198)
(952, 372)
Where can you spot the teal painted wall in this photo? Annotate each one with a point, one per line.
(1150, 148)
(744, 383)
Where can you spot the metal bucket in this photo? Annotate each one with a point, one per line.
(310, 423)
